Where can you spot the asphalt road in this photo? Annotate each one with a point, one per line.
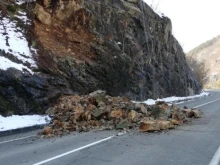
(194, 144)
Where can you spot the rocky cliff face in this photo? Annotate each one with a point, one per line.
(119, 46)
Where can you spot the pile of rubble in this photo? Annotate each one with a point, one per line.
(100, 111)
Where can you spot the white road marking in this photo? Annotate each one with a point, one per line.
(75, 150)
(17, 139)
(216, 158)
(207, 103)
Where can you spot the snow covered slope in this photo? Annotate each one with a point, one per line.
(14, 49)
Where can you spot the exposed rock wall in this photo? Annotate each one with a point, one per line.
(119, 46)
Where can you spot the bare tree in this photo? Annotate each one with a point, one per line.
(199, 69)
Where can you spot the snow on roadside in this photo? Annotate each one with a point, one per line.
(173, 99)
(15, 121)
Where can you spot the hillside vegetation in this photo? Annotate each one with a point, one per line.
(205, 61)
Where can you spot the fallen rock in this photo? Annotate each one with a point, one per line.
(47, 131)
(197, 113)
(179, 116)
(189, 113)
(100, 111)
(91, 107)
(97, 113)
(149, 125)
(116, 114)
(132, 115)
(141, 107)
(176, 122)
(155, 125)
(123, 124)
(99, 95)
(165, 125)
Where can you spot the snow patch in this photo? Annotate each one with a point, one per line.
(20, 2)
(15, 121)
(14, 42)
(175, 99)
(6, 64)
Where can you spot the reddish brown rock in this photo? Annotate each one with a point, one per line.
(57, 123)
(149, 125)
(47, 131)
(91, 107)
(116, 114)
(165, 125)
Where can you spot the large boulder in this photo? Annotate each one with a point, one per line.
(155, 125)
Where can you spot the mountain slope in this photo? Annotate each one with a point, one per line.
(119, 46)
(209, 54)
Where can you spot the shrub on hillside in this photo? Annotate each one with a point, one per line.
(199, 69)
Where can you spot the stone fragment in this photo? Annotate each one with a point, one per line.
(188, 112)
(141, 107)
(197, 113)
(178, 116)
(57, 123)
(50, 111)
(79, 112)
(132, 115)
(67, 30)
(149, 125)
(97, 113)
(165, 107)
(46, 3)
(185, 107)
(165, 125)
(43, 16)
(99, 95)
(123, 124)
(176, 122)
(88, 115)
(160, 103)
(91, 107)
(47, 131)
(65, 125)
(116, 113)
(94, 123)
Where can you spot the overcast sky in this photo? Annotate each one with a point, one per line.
(194, 21)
